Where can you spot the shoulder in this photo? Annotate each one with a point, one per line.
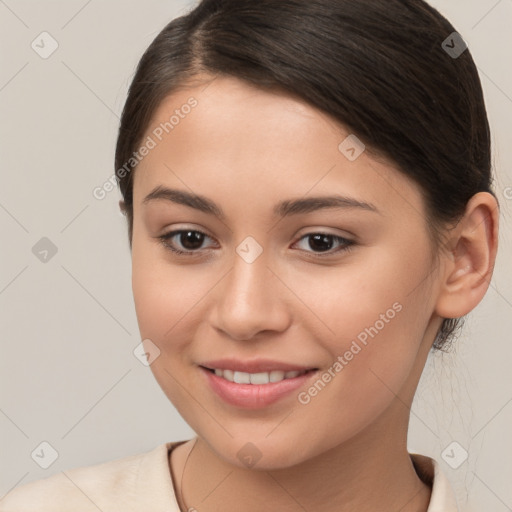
(442, 498)
(118, 484)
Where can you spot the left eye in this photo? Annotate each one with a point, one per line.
(325, 241)
(191, 241)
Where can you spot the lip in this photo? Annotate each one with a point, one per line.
(253, 366)
(254, 396)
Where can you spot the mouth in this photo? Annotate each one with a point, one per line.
(257, 389)
(258, 378)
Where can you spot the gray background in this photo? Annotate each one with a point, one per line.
(68, 373)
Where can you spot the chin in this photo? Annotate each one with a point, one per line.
(260, 453)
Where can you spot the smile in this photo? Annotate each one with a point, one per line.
(256, 389)
(257, 378)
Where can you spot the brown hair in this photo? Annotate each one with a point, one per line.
(383, 68)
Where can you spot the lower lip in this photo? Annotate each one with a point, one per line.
(254, 396)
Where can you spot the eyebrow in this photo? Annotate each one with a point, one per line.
(283, 208)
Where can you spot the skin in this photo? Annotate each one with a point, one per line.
(247, 149)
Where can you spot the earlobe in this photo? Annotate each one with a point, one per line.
(469, 266)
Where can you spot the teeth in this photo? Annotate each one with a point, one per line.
(242, 378)
(257, 378)
(276, 375)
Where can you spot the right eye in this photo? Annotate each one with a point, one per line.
(190, 239)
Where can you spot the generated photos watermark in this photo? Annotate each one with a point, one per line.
(151, 141)
(357, 345)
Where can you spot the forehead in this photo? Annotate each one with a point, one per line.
(226, 136)
(230, 115)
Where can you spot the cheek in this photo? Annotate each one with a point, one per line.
(371, 323)
(375, 297)
(164, 297)
(167, 296)
(363, 380)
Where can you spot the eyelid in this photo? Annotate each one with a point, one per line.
(340, 233)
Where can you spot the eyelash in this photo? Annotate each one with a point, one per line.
(345, 247)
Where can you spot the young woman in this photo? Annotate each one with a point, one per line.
(308, 193)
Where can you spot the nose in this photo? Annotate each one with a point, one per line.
(250, 299)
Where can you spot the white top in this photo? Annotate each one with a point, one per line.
(143, 482)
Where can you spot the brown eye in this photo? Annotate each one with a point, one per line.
(188, 240)
(324, 242)
(321, 242)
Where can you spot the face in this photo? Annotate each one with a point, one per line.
(338, 288)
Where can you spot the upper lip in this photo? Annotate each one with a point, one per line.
(253, 366)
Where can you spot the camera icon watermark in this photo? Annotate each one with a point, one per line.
(249, 249)
(44, 455)
(454, 455)
(44, 250)
(249, 455)
(454, 45)
(44, 45)
(146, 352)
(351, 148)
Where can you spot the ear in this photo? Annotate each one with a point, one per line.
(469, 262)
